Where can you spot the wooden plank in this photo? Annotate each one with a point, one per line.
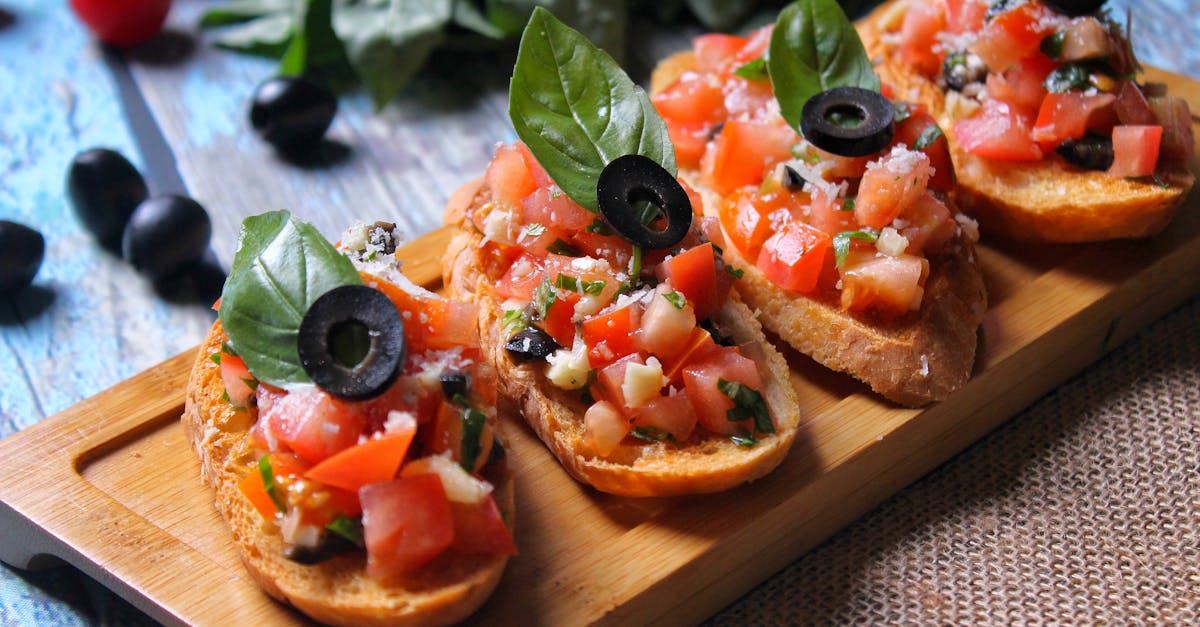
(587, 557)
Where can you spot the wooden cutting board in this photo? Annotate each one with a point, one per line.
(111, 486)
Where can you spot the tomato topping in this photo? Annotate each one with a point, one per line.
(965, 15)
(744, 152)
(697, 345)
(612, 377)
(610, 336)
(889, 285)
(1069, 115)
(1013, 35)
(715, 50)
(1022, 85)
(690, 140)
(746, 216)
(670, 414)
(407, 522)
(508, 176)
(690, 100)
(701, 377)
(928, 225)
(792, 258)
(559, 321)
(239, 383)
(693, 273)
(311, 422)
(665, 325)
(549, 206)
(922, 22)
(605, 425)
(891, 184)
(377, 459)
(918, 127)
(479, 528)
(1135, 150)
(997, 131)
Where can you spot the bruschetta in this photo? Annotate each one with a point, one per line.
(849, 245)
(346, 423)
(1052, 136)
(612, 324)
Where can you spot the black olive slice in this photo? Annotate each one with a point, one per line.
(453, 384)
(848, 121)
(351, 342)
(1075, 8)
(530, 344)
(1092, 152)
(630, 179)
(793, 181)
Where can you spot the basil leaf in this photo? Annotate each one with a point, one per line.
(269, 485)
(651, 434)
(747, 403)
(676, 299)
(282, 265)
(348, 528)
(1066, 77)
(387, 41)
(241, 11)
(576, 109)
(472, 430)
(814, 48)
(931, 134)
(267, 36)
(841, 244)
(314, 48)
(755, 70)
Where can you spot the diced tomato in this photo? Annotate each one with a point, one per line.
(610, 336)
(551, 207)
(696, 200)
(756, 45)
(963, 16)
(535, 169)
(840, 166)
(239, 383)
(747, 99)
(928, 225)
(829, 214)
(407, 522)
(743, 152)
(448, 323)
(527, 272)
(690, 140)
(699, 344)
(664, 327)
(559, 321)
(1069, 115)
(604, 425)
(890, 185)
(1135, 150)
(447, 435)
(1013, 35)
(255, 490)
(745, 217)
(695, 98)
(701, 378)
(377, 459)
(311, 422)
(919, 123)
(612, 377)
(918, 33)
(694, 274)
(1022, 84)
(479, 528)
(792, 258)
(672, 414)
(508, 176)
(997, 131)
(715, 51)
(889, 285)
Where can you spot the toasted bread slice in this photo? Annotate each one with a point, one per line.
(705, 463)
(1043, 201)
(912, 360)
(336, 591)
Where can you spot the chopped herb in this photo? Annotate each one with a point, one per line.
(216, 358)
(744, 439)
(560, 247)
(720, 338)
(931, 134)
(736, 272)
(755, 70)
(567, 282)
(651, 434)
(460, 400)
(675, 298)
(225, 396)
(472, 430)
(251, 383)
(533, 230)
(543, 297)
(747, 403)
(1067, 77)
(586, 395)
(1052, 45)
(514, 320)
(227, 348)
(599, 227)
(848, 205)
(635, 266)
(269, 485)
(903, 112)
(348, 528)
(593, 287)
(841, 243)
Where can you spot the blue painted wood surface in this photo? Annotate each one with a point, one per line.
(90, 321)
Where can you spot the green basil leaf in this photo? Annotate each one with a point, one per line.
(814, 48)
(747, 403)
(651, 434)
(755, 70)
(841, 244)
(269, 485)
(576, 109)
(676, 299)
(387, 41)
(1068, 76)
(240, 11)
(267, 36)
(472, 431)
(931, 134)
(348, 528)
(282, 265)
(315, 48)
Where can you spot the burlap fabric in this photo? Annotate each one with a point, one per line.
(1083, 509)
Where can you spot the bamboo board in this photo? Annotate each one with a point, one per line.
(111, 486)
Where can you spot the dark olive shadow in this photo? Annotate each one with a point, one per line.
(199, 283)
(7, 18)
(168, 48)
(25, 304)
(327, 153)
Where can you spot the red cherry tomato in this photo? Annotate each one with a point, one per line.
(122, 22)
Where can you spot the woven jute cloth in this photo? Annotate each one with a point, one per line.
(1082, 509)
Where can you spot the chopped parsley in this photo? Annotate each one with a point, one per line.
(747, 404)
(514, 320)
(841, 243)
(651, 434)
(570, 283)
(848, 205)
(348, 528)
(559, 247)
(472, 430)
(675, 298)
(736, 272)
(931, 134)
(544, 297)
(269, 485)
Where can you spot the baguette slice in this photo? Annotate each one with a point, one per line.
(1042, 201)
(712, 464)
(336, 591)
(912, 360)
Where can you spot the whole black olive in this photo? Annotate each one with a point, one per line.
(454, 384)
(1076, 8)
(292, 112)
(21, 252)
(530, 344)
(166, 234)
(351, 342)
(104, 189)
(1092, 152)
(630, 179)
(848, 121)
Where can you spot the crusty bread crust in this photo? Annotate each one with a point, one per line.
(1044, 201)
(712, 464)
(912, 360)
(336, 591)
